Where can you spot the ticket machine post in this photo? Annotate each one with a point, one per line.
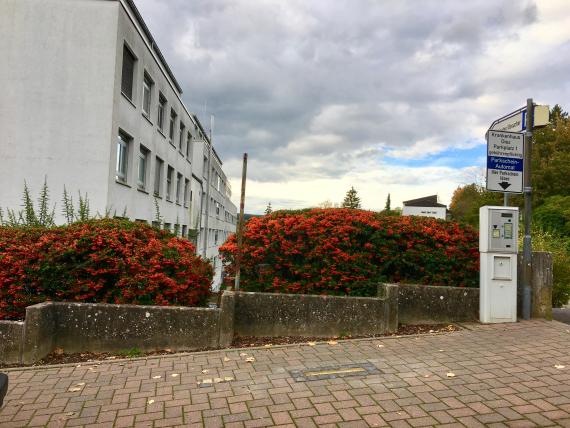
(498, 247)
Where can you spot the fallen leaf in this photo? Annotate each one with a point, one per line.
(157, 377)
(426, 375)
(450, 374)
(380, 346)
(243, 354)
(218, 380)
(311, 343)
(559, 366)
(250, 359)
(206, 380)
(78, 365)
(150, 401)
(111, 358)
(205, 371)
(80, 384)
(70, 414)
(226, 359)
(58, 351)
(332, 342)
(431, 331)
(440, 350)
(174, 375)
(228, 378)
(74, 389)
(168, 350)
(269, 345)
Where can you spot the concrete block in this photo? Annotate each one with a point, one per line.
(424, 304)
(226, 320)
(39, 332)
(110, 328)
(11, 341)
(273, 314)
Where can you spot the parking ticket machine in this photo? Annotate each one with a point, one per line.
(498, 247)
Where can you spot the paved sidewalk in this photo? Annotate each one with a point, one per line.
(505, 375)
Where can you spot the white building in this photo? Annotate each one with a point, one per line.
(91, 104)
(427, 206)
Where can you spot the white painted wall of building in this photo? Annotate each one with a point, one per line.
(57, 73)
(436, 212)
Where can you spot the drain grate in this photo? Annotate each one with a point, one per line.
(333, 372)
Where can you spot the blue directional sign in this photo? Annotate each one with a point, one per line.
(505, 154)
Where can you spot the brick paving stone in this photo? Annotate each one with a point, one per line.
(505, 377)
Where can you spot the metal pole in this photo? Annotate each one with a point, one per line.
(505, 199)
(240, 224)
(527, 244)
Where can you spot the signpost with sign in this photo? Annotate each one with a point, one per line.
(509, 149)
(505, 158)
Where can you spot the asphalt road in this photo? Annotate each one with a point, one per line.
(561, 314)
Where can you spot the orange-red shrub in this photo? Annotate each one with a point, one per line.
(103, 261)
(346, 251)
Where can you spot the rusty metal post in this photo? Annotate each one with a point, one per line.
(240, 224)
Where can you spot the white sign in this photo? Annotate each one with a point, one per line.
(505, 154)
(516, 121)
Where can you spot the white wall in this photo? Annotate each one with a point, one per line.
(57, 73)
(437, 212)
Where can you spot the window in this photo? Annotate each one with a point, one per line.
(218, 181)
(159, 166)
(184, 231)
(161, 110)
(191, 195)
(143, 167)
(172, 122)
(216, 237)
(186, 186)
(217, 208)
(122, 157)
(128, 73)
(169, 175)
(205, 169)
(181, 140)
(178, 187)
(156, 224)
(176, 229)
(167, 226)
(147, 94)
(188, 146)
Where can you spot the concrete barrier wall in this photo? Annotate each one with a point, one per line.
(78, 327)
(272, 315)
(424, 304)
(11, 333)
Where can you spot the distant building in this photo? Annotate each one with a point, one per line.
(91, 104)
(427, 206)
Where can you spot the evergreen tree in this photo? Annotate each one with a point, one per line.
(388, 206)
(269, 209)
(351, 200)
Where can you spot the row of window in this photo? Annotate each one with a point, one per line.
(183, 141)
(177, 186)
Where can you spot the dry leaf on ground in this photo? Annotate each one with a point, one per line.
(157, 377)
(150, 401)
(311, 343)
(559, 366)
(174, 375)
(332, 342)
(226, 359)
(450, 374)
(205, 371)
(250, 359)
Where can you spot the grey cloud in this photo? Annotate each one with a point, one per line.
(284, 66)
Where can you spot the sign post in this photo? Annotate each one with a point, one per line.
(527, 244)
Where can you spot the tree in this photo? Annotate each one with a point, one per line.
(268, 210)
(351, 200)
(467, 200)
(388, 204)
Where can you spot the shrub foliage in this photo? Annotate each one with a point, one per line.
(348, 251)
(103, 261)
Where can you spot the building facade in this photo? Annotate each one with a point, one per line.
(427, 206)
(93, 107)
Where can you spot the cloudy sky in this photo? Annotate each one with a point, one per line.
(386, 96)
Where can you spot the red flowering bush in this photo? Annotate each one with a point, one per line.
(103, 261)
(347, 251)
